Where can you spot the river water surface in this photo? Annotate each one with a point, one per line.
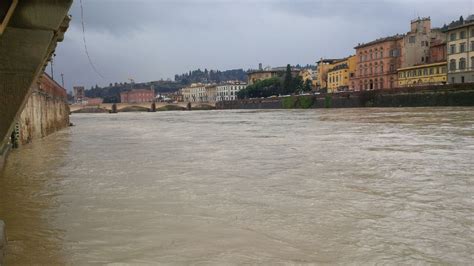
(320, 186)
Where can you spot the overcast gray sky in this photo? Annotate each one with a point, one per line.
(152, 39)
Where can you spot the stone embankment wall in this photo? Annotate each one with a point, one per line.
(45, 112)
(448, 95)
(3, 241)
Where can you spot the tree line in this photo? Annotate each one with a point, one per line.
(210, 76)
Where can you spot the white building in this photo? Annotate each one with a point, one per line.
(228, 92)
(199, 93)
(194, 93)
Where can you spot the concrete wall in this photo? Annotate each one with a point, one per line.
(45, 112)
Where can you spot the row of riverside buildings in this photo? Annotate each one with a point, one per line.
(423, 56)
(212, 92)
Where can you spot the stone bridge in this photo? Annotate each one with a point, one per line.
(144, 107)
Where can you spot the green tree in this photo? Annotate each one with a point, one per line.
(297, 85)
(287, 81)
(307, 86)
(262, 88)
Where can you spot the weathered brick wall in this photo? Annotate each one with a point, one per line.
(46, 111)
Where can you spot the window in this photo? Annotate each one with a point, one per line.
(462, 63)
(392, 67)
(381, 54)
(419, 72)
(425, 72)
(472, 33)
(472, 46)
(394, 53)
(452, 49)
(462, 35)
(431, 71)
(462, 47)
(412, 39)
(452, 36)
(472, 62)
(462, 79)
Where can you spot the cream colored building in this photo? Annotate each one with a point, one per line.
(200, 93)
(228, 92)
(460, 45)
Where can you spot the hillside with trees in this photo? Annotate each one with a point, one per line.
(210, 76)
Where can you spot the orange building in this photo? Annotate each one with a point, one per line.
(377, 63)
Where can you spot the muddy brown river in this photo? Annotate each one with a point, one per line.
(345, 186)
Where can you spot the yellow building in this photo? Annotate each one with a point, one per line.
(322, 68)
(340, 73)
(427, 74)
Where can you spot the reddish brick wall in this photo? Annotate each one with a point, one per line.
(137, 96)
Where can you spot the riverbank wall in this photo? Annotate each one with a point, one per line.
(448, 95)
(3, 241)
(45, 112)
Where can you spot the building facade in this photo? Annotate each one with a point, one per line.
(460, 46)
(322, 68)
(426, 74)
(92, 101)
(138, 96)
(377, 63)
(438, 51)
(340, 73)
(79, 94)
(267, 73)
(228, 92)
(418, 41)
(200, 93)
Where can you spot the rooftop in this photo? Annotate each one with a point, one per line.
(381, 40)
(459, 23)
(329, 61)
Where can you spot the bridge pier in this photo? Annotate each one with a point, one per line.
(114, 109)
(153, 107)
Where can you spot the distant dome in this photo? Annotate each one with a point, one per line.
(470, 18)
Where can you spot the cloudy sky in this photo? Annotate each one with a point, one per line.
(153, 39)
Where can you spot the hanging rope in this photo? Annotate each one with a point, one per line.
(85, 42)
